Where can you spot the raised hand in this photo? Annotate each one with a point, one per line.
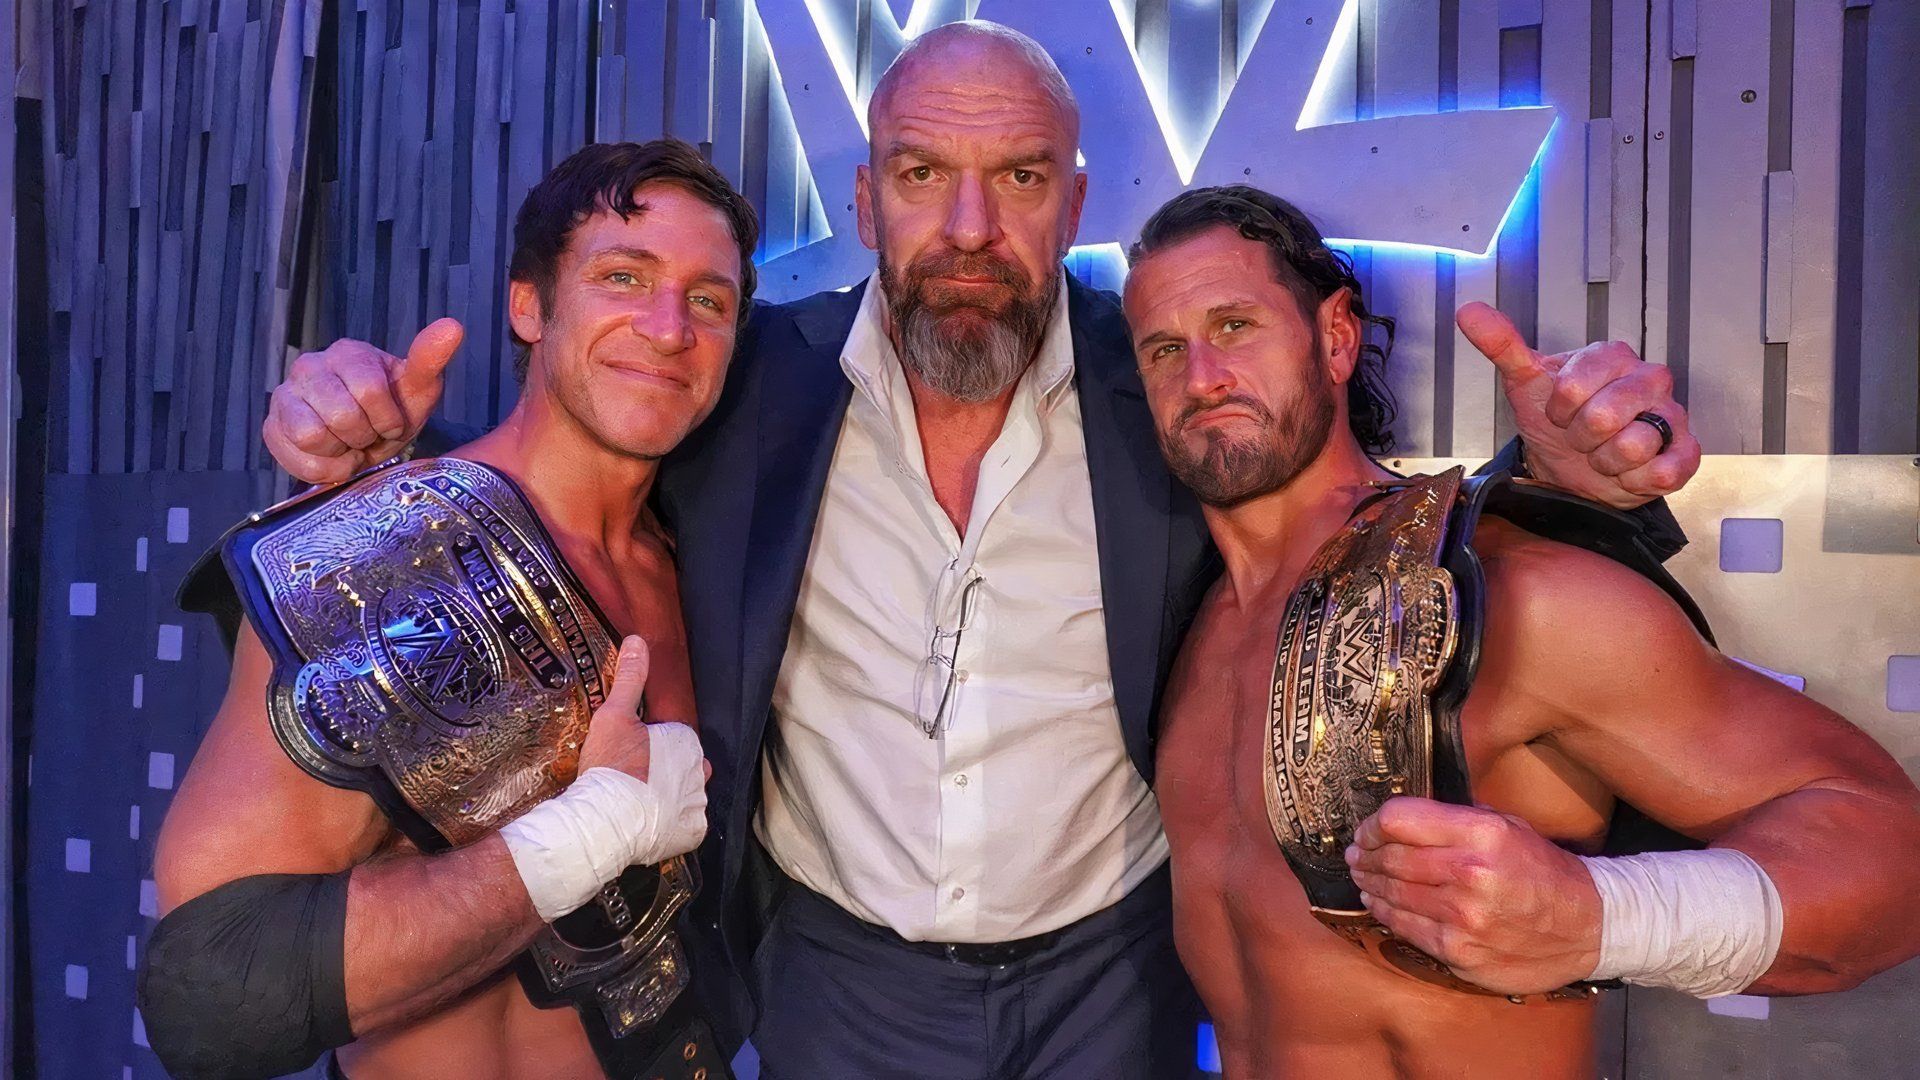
(351, 405)
(1576, 414)
(1482, 892)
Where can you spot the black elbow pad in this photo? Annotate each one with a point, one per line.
(249, 979)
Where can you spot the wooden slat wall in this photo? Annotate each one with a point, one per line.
(173, 194)
(9, 64)
(180, 164)
(417, 227)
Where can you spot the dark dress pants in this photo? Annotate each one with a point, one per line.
(1105, 1000)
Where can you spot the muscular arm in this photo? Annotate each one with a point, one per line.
(420, 928)
(1718, 752)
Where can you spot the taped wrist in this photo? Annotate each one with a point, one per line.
(569, 846)
(249, 979)
(1706, 923)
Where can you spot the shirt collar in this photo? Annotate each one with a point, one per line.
(871, 364)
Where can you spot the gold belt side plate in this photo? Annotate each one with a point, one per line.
(1368, 636)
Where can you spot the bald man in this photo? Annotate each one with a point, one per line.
(933, 572)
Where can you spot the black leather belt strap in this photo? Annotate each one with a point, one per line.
(992, 954)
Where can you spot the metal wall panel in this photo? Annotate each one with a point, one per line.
(231, 182)
(1814, 158)
(1474, 384)
(1849, 538)
(1890, 233)
(1402, 44)
(1725, 273)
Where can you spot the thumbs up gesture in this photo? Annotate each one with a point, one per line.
(1580, 414)
(351, 405)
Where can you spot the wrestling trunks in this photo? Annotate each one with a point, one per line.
(432, 649)
(1378, 648)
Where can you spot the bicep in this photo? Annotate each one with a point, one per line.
(244, 807)
(1665, 721)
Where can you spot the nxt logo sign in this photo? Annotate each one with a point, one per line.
(1441, 180)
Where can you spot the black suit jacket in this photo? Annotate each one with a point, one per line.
(742, 494)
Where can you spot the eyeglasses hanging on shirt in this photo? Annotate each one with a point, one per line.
(934, 683)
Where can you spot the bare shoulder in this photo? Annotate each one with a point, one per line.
(1565, 624)
(1611, 673)
(245, 808)
(1537, 584)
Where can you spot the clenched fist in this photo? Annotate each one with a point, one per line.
(1482, 892)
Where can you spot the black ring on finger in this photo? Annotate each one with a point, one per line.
(1660, 425)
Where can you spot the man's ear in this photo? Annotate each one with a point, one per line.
(1073, 220)
(523, 310)
(863, 206)
(1341, 334)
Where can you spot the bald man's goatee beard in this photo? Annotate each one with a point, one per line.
(958, 347)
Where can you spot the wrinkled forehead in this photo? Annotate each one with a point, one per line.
(972, 90)
(671, 222)
(1215, 269)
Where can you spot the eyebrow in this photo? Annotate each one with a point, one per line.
(1216, 311)
(642, 255)
(902, 148)
(624, 251)
(1156, 338)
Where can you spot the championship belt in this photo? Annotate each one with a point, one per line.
(433, 650)
(1377, 651)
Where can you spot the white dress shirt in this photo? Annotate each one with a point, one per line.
(1025, 813)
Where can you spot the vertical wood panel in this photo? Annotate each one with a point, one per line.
(83, 221)
(486, 353)
(729, 96)
(691, 117)
(176, 286)
(10, 55)
(1517, 255)
(163, 194)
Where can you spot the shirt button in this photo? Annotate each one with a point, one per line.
(959, 893)
(961, 780)
(962, 676)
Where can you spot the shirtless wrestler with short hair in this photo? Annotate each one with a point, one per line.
(1594, 690)
(631, 275)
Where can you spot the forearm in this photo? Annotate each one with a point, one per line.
(1841, 858)
(421, 929)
